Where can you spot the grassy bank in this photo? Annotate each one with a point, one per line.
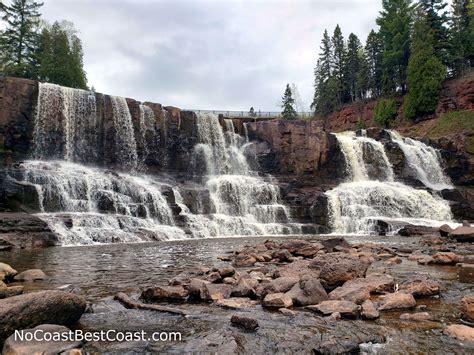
(454, 122)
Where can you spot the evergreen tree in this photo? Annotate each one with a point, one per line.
(437, 18)
(353, 66)
(338, 66)
(362, 84)
(288, 112)
(19, 41)
(425, 70)
(324, 84)
(395, 25)
(374, 58)
(61, 56)
(461, 37)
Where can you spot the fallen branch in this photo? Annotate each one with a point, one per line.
(131, 303)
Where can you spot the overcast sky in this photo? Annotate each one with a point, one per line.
(207, 54)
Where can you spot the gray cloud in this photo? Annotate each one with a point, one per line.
(207, 54)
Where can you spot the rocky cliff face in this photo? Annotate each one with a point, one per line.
(457, 94)
(305, 157)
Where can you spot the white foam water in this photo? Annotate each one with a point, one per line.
(357, 206)
(71, 113)
(424, 162)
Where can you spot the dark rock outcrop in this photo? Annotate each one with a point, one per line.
(22, 230)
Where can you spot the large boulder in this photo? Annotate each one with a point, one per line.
(15, 346)
(446, 258)
(467, 307)
(420, 286)
(397, 300)
(460, 332)
(277, 300)
(30, 275)
(359, 289)
(463, 234)
(307, 291)
(369, 311)
(6, 271)
(465, 272)
(296, 269)
(337, 268)
(411, 230)
(345, 308)
(160, 293)
(43, 307)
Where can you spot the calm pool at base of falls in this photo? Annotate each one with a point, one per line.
(102, 270)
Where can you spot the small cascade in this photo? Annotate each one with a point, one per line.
(85, 205)
(424, 162)
(147, 120)
(124, 135)
(357, 207)
(371, 197)
(70, 114)
(244, 203)
(365, 157)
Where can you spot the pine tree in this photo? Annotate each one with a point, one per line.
(437, 19)
(362, 84)
(60, 55)
(395, 25)
(461, 37)
(288, 112)
(425, 71)
(338, 66)
(19, 41)
(324, 83)
(374, 58)
(353, 66)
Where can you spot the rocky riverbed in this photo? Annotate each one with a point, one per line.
(322, 294)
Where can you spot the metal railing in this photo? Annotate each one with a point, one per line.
(256, 114)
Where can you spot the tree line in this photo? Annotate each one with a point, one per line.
(416, 46)
(33, 49)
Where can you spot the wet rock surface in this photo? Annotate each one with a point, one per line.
(212, 314)
(36, 308)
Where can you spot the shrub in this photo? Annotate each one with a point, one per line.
(385, 112)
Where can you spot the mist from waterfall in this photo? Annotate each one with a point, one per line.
(371, 195)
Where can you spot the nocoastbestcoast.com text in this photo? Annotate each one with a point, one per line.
(102, 335)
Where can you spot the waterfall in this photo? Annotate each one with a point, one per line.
(88, 205)
(356, 207)
(371, 195)
(244, 203)
(98, 203)
(424, 162)
(126, 146)
(147, 120)
(67, 126)
(71, 114)
(360, 153)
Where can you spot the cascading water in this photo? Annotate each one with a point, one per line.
(365, 157)
(70, 113)
(86, 205)
(99, 206)
(147, 120)
(244, 203)
(125, 139)
(372, 196)
(424, 162)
